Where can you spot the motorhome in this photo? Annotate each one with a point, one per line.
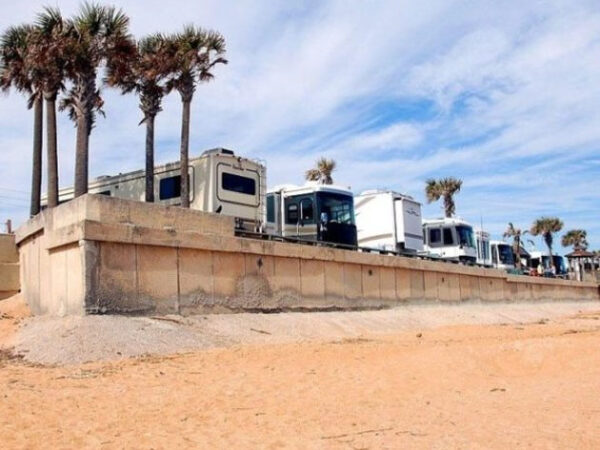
(388, 220)
(313, 212)
(220, 182)
(450, 238)
(537, 257)
(502, 255)
(484, 255)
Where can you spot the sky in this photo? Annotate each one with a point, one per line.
(502, 94)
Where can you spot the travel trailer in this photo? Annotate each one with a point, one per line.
(450, 238)
(312, 212)
(387, 220)
(502, 255)
(220, 182)
(484, 255)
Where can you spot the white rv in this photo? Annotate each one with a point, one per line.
(484, 256)
(536, 257)
(450, 238)
(502, 255)
(387, 220)
(313, 212)
(220, 182)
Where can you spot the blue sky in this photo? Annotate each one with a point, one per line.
(503, 94)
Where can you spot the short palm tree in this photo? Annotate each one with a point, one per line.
(147, 71)
(193, 54)
(47, 60)
(545, 227)
(16, 73)
(443, 188)
(322, 172)
(576, 238)
(516, 234)
(98, 36)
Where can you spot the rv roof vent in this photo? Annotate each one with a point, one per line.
(218, 151)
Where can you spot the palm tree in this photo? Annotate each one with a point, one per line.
(16, 73)
(193, 54)
(322, 172)
(545, 226)
(97, 36)
(576, 238)
(446, 188)
(46, 57)
(147, 71)
(516, 234)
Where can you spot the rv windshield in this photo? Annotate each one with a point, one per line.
(465, 236)
(505, 254)
(339, 207)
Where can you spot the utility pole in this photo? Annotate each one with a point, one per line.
(8, 226)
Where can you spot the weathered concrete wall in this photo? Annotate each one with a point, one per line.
(98, 254)
(9, 266)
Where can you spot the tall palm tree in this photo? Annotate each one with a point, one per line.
(322, 172)
(546, 226)
(516, 234)
(576, 238)
(193, 54)
(443, 188)
(98, 36)
(147, 71)
(46, 57)
(16, 73)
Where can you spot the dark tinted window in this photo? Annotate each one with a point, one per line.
(236, 183)
(435, 236)
(104, 193)
(270, 208)
(292, 214)
(448, 236)
(307, 210)
(170, 187)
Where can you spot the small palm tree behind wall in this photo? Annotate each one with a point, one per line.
(322, 172)
(443, 188)
(575, 238)
(516, 234)
(546, 227)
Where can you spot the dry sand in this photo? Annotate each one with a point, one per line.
(476, 376)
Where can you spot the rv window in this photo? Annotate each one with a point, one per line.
(236, 183)
(292, 214)
(448, 236)
(271, 208)
(435, 236)
(306, 207)
(104, 193)
(170, 187)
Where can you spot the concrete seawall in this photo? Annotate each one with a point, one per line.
(9, 266)
(99, 254)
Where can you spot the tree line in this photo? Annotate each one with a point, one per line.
(59, 62)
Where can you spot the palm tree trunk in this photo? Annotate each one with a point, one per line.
(52, 151)
(518, 253)
(150, 158)
(81, 156)
(185, 140)
(36, 174)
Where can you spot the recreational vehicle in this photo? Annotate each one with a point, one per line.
(387, 220)
(312, 212)
(502, 255)
(450, 238)
(484, 255)
(537, 257)
(220, 182)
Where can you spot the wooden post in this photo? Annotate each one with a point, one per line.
(9, 226)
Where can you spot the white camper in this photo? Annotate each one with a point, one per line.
(450, 238)
(502, 255)
(313, 212)
(388, 220)
(220, 182)
(482, 241)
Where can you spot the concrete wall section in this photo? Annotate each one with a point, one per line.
(97, 255)
(9, 266)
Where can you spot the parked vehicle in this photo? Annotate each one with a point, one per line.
(388, 220)
(502, 255)
(482, 242)
(220, 182)
(537, 256)
(313, 212)
(450, 238)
